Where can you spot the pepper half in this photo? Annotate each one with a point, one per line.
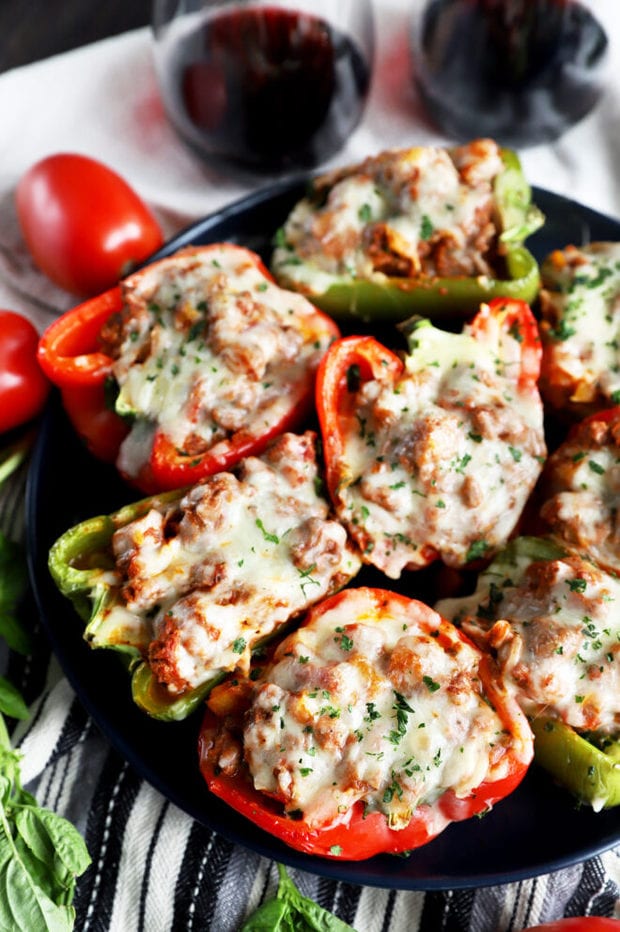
(568, 620)
(403, 803)
(80, 563)
(384, 297)
(186, 584)
(432, 455)
(189, 365)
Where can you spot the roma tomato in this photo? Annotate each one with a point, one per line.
(578, 924)
(84, 225)
(23, 387)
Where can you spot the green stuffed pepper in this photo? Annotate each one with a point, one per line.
(188, 583)
(548, 616)
(426, 230)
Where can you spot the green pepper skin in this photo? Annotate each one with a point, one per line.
(395, 299)
(588, 772)
(437, 298)
(78, 563)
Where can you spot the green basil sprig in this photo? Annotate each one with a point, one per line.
(41, 854)
(290, 911)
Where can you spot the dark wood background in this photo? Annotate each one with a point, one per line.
(34, 29)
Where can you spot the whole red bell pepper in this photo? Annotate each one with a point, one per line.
(364, 830)
(381, 441)
(74, 356)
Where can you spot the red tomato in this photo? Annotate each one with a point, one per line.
(578, 924)
(84, 225)
(23, 387)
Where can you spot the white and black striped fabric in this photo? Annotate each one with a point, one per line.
(156, 870)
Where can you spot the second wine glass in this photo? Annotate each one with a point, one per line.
(264, 87)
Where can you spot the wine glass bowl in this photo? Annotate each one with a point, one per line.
(522, 71)
(266, 87)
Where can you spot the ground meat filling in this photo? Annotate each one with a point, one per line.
(238, 555)
(581, 490)
(368, 704)
(580, 327)
(207, 346)
(555, 630)
(443, 460)
(422, 212)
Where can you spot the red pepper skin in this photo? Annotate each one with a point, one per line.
(336, 406)
(578, 924)
(70, 354)
(370, 360)
(357, 836)
(169, 469)
(515, 317)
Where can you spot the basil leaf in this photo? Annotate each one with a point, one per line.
(317, 919)
(269, 917)
(42, 875)
(15, 635)
(307, 915)
(13, 573)
(13, 583)
(44, 830)
(11, 701)
(23, 904)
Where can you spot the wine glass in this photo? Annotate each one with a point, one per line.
(522, 71)
(265, 87)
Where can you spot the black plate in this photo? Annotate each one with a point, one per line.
(537, 829)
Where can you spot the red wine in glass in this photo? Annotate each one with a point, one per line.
(265, 89)
(521, 71)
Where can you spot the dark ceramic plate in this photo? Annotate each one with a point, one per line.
(537, 829)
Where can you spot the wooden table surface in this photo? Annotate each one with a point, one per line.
(35, 29)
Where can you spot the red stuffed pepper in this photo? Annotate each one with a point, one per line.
(373, 726)
(434, 455)
(189, 365)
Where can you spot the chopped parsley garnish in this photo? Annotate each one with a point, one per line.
(562, 331)
(426, 227)
(476, 550)
(271, 538)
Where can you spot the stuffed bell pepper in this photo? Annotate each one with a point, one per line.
(187, 583)
(434, 455)
(550, 619)
(202, 358)
(425, 230)
(373, 726)
(579, 328)
(579, 491)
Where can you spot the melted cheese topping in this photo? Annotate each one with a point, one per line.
(407, 212)
(582, 486)
(555, 627)
(207, 346)
(445, 458)
(581, 325)
(197, 583)
(364, 702)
